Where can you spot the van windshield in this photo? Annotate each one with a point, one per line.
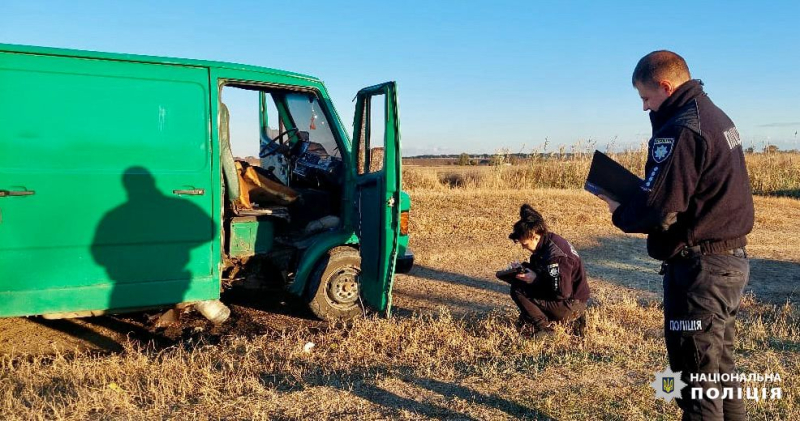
(308, 116)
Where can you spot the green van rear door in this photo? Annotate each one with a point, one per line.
(106, 197)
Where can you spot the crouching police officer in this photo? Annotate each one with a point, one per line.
(696, 207)
(553, 287)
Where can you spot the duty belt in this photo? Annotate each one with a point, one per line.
(695, 251)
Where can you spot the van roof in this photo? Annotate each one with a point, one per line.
(30, 49)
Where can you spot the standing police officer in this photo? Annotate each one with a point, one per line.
(696, 208)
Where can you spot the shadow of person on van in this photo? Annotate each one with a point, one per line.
(145, 245)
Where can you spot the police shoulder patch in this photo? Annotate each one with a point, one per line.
(662, 148)
(553, 270)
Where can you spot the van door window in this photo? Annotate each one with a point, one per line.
(372, 142)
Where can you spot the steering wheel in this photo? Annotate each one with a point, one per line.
(275, 146)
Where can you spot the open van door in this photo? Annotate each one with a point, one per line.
(376, 133)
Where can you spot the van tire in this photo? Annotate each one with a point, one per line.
(333, 290)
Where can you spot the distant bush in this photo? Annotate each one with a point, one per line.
(465, 179)
(464, 160)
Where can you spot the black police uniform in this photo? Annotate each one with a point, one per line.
(560, 290)
(697, 208)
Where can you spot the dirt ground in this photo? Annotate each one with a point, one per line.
(460, 239)
(252, 314)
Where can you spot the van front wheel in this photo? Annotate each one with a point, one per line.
(333, 291)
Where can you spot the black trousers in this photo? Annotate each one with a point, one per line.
(701, 298)
(540, 312)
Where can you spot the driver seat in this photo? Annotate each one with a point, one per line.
(236, 177)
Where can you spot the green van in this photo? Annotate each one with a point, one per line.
(119, 190)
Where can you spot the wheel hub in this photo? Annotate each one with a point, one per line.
(343, 287)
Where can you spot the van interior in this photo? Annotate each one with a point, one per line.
(282, 175)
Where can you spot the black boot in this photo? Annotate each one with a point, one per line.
(543, 332)
(579, 326)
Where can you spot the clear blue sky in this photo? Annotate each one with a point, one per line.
(473, 76)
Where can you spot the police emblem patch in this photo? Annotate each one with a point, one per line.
(553, 270)
(662, 148)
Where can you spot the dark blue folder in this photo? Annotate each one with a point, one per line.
(609, 178)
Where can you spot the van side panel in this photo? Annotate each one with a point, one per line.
(119, 159)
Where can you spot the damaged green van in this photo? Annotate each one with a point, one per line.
(119, 190)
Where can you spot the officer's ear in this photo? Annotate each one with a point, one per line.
(667, 86)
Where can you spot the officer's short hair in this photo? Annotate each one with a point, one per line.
(530, 222)
(660, 65)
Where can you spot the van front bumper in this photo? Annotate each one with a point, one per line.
(404, 263)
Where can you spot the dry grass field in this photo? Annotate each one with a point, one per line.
(775, 173)
(450, 351)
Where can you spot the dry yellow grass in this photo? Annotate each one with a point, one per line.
(770, 173)
(450, 351)
(775, 173)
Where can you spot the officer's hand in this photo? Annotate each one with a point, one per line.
(612, 204)
(528, 276)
